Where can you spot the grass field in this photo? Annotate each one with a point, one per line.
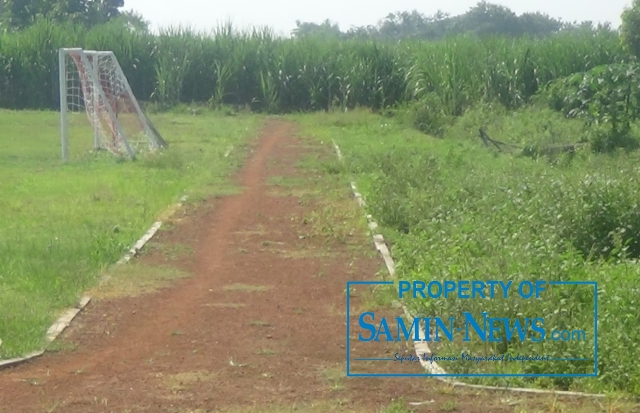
(62, 224)
(455, 210)
(451, 209)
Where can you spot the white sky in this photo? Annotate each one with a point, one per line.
(281, 15)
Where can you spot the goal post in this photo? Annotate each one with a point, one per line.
(93, 82)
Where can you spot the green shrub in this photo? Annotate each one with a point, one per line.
(427, 116)
(605, 97)
(456, 211)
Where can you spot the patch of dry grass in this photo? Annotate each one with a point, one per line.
(135, 279)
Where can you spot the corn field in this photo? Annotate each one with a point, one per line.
(282, 75)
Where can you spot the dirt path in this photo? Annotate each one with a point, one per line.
(257, 299)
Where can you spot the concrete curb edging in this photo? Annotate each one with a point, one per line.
(67, 317)
(422, 347)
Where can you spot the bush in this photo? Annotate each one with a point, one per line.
(606, 97)
(607, 140)
(427, 116)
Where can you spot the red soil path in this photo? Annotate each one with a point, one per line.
(170, 351)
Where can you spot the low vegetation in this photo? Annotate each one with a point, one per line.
(454, 210)
(532, 180)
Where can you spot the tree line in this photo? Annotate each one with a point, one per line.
(484, 19)
(17, 15)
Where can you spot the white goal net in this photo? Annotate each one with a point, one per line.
(93, 82)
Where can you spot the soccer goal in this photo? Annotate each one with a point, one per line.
(93, 82)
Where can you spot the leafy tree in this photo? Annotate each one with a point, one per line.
(630, 28)
(538, 24)
(74, 11)
(101, 11)
(483, 19)
(325, 29)
(492, 19)
(18, 14)
(134, 21)
(415, 25)
(605, 97)
(363, 32)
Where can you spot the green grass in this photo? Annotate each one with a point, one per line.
(455, 210)
(61, 224)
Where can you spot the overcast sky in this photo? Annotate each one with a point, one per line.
(281, 15)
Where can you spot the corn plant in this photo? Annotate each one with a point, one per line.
(223, 75)
(269, 91)
(257, 68)
(170, 74)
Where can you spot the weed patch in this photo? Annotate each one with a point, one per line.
(453, 210)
